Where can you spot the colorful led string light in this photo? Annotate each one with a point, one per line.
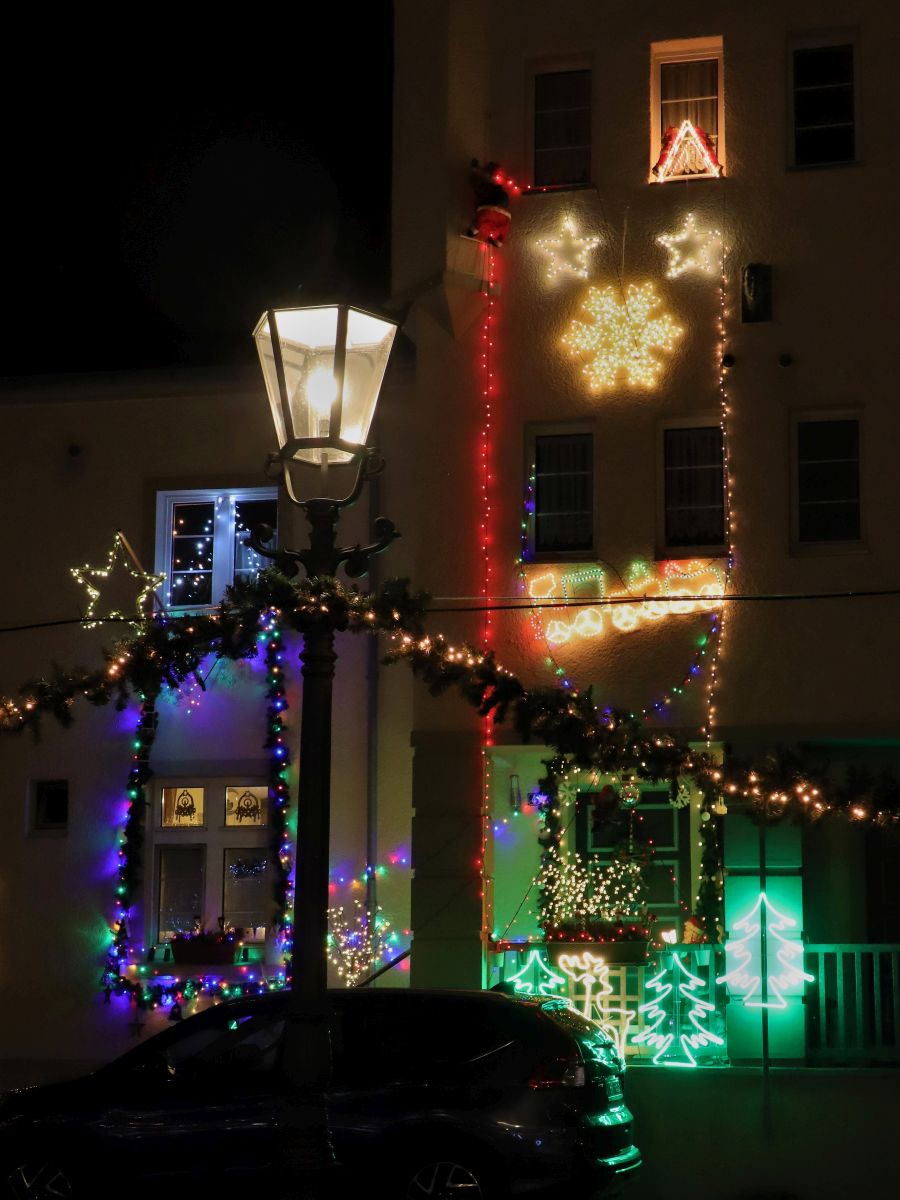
(131, 841)
(279, 787)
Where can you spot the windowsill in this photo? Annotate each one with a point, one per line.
(686, 178)
(545, 558)
(797, 168)
(827, 549)
(684, 553)
(553, 189)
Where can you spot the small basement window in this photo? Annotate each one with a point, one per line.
(50, 811)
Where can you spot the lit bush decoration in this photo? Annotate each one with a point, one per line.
(568, 253)
(358, 942)
(621, 339)
(693, 249)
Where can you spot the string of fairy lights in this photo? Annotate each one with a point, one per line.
(488, 384)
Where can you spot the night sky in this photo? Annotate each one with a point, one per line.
(160, 195)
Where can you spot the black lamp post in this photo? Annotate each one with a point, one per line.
(323, 368)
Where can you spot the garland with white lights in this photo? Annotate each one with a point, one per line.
(566, 720)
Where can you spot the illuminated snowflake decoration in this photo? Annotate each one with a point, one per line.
(568, 253)
(621, 339)
(693, 249)
(118, 562)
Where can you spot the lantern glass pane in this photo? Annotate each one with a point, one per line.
(307, 337)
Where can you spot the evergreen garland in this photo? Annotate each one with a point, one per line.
(169, 649)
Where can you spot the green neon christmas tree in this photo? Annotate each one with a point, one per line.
(784, 958)
(674, 1032)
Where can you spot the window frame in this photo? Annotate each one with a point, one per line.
(534, 430)
(664, 551)
(800, 548)
(223, 564)
(823, 40)
(558, 66)
(678, 51)
(214, 837)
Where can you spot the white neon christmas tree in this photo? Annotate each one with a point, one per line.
(674, 1034)
(549, 982)
(744, 979)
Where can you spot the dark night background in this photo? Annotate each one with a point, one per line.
(162, 189)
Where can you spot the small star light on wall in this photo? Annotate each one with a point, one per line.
(693, 249)
(621, 339)
(117, 569)
(568, 252)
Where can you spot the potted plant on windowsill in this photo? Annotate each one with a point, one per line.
(212, 949)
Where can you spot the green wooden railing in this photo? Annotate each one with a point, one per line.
(853, 1004)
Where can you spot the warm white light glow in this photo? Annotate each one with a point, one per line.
(568, 253)
(688, 155)
(653, 591)
(621, 340)
(693, 249)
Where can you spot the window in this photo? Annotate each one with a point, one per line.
(693, 487)
(211, 850)
(823, 102)
(827, 476)
(50, 806)
(686, 85)
(200, 541)
(562, 128)
(562, 520)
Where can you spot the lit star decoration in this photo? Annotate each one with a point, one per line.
(118, 560)
(568, 253)
(692, 249)
(621, 339)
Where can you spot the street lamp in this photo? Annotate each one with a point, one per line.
(323, 369)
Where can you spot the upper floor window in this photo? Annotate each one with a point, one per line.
(686, 85)
(827, 493)
(823, 95)
(562, 128)
(693, 488)
(200, 541)
(562, 520)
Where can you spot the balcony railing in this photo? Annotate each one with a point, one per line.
(853, 1004)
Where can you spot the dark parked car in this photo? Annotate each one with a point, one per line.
(434, 1094)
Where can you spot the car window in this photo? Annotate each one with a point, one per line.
(382, 1039)
(238, 1043)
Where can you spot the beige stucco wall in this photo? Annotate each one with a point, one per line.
(789, 672)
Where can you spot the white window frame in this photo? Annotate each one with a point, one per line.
(532, 433)
(821, 40)
(677, 51)
(663, 550)
(223, 500)
(214, 837)
(811, 549)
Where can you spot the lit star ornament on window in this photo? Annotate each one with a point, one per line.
(117, 564)
(621, 340)
(693, 249)
(568, 253)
